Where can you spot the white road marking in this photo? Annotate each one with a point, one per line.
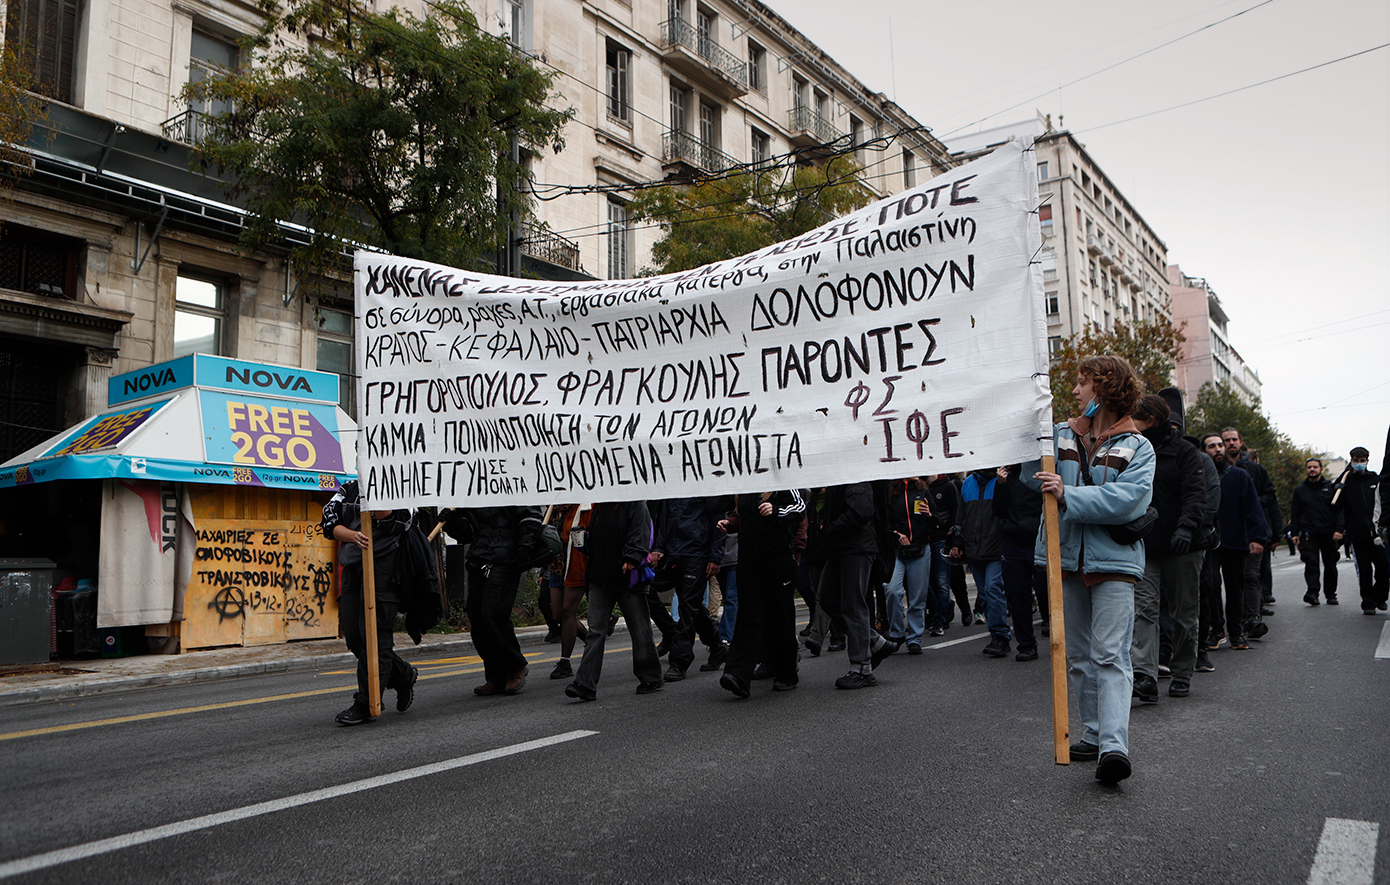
(116, 843)
(950, 642)
(1346, 853)
(1383, 650)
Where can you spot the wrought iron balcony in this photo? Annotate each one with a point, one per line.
(682, 147)
(549, 246)
(190, 127)
(679, 32)
(805, 120)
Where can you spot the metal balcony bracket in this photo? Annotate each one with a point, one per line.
(158, 227)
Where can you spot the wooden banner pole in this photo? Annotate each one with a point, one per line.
(1057, 625)
(369, 618)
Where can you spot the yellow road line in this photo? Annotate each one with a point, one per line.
(204, 708)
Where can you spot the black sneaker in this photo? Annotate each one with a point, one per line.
(717, 656)
(914, 648)
(998, 647)
(854, 679)
(731, 683)
(1112, 768)
(649, 687)
(1027, 653)
(1083, 751)
(783, 684)
(1257, 630)
(1203, 664)
(1179, 689)
(1368, 611)
(884, 652)
(936, 630)
(1045, 630)
(813, 647)
(405, 695)
(1381, 605)
(1266, 612)
(357, 714)
(552, 636)
(1332, 600)
(579, 692)
(835, 646)
(563, 669)
(673, 674)
(1164, 671)
(1311, 598)
(762, 671)
(1146, 688)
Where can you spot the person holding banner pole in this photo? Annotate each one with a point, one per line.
(1104, 479)
(342, 521)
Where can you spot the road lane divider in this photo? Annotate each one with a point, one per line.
(1346, 853)
(49, 859)
(1383, 650)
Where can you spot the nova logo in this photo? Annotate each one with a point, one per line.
(143, 382)
(262, 378)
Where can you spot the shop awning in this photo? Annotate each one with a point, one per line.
(205, 419)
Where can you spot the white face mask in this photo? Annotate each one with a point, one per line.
(1359, 465)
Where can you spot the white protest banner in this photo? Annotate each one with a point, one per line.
(907, 338)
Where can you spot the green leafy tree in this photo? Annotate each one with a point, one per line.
(20, 113)
(1219, 407)
(1151, 346)
(717, 219)
(377, 128)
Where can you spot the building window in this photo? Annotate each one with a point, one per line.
(1049, 264)
(757, 67)
(801, 92)
(619, 87)
(1094, 281)
(762, 148)
(1051, 303)
(680, 108)
(199, 311)
(822, 105)
(44, 35)
(856, 136)
(1054, 345)
(1045, 219)
(619, 235)
(709, 125)
(909, 169)
(335, 354)
(208, 56)
(1042, 171)
(516, 20)
(706, 36)
(37, 264)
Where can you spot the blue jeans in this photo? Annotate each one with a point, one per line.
(939, 589)
(1100, 626)
(989, 581)
(728, 586)
(909, 580)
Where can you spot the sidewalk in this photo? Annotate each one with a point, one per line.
(70, 679)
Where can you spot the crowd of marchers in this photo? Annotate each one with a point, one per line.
(1165, 542)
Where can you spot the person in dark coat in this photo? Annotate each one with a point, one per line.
(1240, 522)
(687, 552)
(617, 543)
(1358, 504)
(1317, 530)
(1173, 560)
(851, 544)
(1019, 509)
(1239, 454)
(983, 546)
(944, 499)
(342, 521)
(911, 519)
(494, 574)
(765, 632)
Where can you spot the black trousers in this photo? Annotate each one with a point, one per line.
(1371, 571)
(1311, 549)
(491, 597)
(1240, 572)
(686, 576)
(352, 623)
(632, 602)
(1210, 617)
(765, 629)
(1023, 581)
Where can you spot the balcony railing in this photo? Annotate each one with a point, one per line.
(679, 32)
(548, 246)
(190, 127)
(682, 147)
(803, 119)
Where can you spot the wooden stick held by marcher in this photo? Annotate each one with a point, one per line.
(1057, 638)
(369, 617)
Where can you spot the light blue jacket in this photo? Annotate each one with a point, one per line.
(1122, 469)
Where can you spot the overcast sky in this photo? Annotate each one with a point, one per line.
(1278, 195)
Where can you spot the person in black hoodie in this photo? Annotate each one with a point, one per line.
(1358, 504)
(687, 552)
(1317, 531)
(1240, 523)
(1205, 540)
(1172, 560)
(944, 499)
(617, 543)
(342, 521)
(851, 544)
(765, 628)
(1019, 509)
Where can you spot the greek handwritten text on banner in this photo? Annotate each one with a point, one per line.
(905, 339)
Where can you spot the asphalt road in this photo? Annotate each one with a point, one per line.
(942, 773)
